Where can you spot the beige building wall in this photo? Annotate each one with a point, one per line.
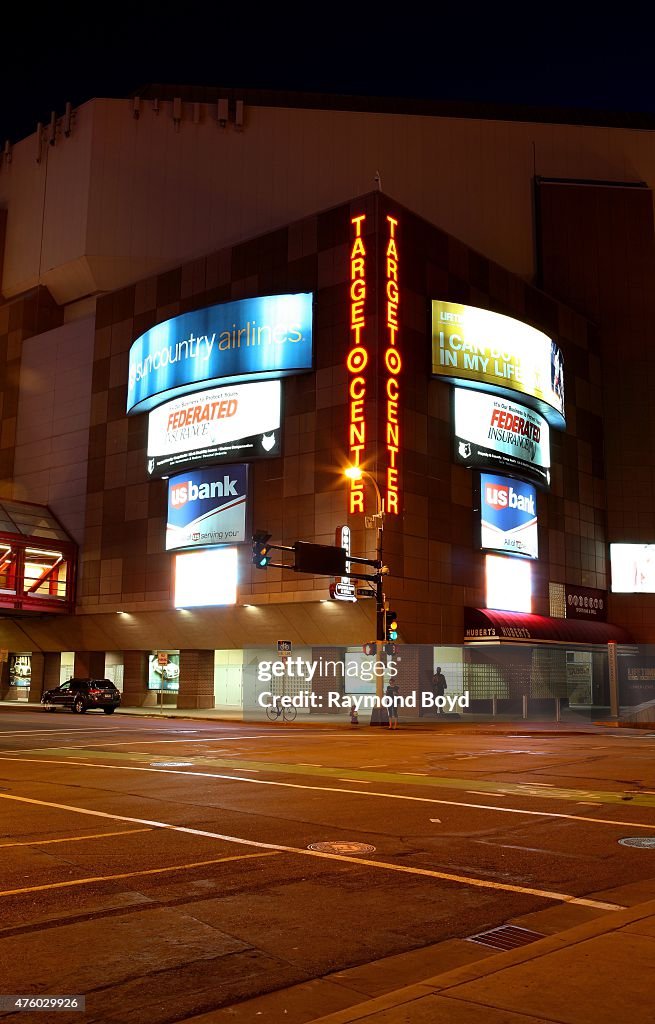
(122, 198)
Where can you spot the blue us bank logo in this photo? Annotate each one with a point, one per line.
(508, 516)
(207, 507)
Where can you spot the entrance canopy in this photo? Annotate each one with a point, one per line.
(37, 560)
(491, 626)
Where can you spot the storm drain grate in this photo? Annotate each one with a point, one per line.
(508, 936)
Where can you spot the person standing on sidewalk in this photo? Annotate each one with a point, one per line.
(439, 687)
(393, 691)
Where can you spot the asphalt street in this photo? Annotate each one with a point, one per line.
(163, 869)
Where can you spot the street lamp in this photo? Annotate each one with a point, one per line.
(356, 473)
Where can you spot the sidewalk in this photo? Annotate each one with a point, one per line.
(597, 973)
(569, 726)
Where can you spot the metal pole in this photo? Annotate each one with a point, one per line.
(525, 705)
(613, 666)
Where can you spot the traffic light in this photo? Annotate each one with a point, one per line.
(261, 549)
(392, 626)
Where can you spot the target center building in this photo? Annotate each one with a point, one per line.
(187, 358)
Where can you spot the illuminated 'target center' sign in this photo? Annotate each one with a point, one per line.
(357, 361)
(392, 363)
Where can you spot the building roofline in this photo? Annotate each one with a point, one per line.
(472, 110)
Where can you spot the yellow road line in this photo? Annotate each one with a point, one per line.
(133, 874)
(480, 883)
(353, 792)
(76, 839)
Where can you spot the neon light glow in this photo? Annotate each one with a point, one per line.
(393, 364)
(357, 362)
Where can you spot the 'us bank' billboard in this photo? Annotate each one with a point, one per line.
(508, 516)
(207, 507)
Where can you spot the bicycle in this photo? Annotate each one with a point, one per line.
(276, 711)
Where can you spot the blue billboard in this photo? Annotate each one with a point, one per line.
(508, 516)
(266, 337)
(207, 507)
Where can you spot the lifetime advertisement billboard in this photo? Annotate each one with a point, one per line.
(266, 337)
(508, 516)
(240, 421)
(633, 568)
(494, 433)
(487, 351)
(206, 507)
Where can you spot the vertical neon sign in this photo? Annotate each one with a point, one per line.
(357, 361)
(392, 363)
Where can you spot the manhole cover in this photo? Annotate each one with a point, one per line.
(171, 764)
(341, 848)
(639, 841)
(508, 936)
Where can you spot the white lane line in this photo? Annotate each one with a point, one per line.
(337, 789)
(360, 782)
(480, 883)
(255, 771)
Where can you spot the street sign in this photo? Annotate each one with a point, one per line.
(320, 559)
(284, 647)
(343, 591)
(365, 592)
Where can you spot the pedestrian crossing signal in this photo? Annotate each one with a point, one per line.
(261, 549)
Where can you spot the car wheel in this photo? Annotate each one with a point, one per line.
(109, 711)
(48, 706)
(79, 707)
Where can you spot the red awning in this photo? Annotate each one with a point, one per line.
(486, 624)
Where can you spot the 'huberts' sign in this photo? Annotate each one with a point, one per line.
(207, 507)
(508, 516)
(266, 337)
(494, 433)
(240, 421)
(487, 351)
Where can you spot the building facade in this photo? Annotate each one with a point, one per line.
(490, 290)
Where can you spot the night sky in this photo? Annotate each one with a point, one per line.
(60, 56)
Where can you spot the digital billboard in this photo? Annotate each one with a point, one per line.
(633, 568)
(495, 433)
(508, 516)
(239, 421)
(488, 351)
(266, 337)
(207, 507)
(509, 584)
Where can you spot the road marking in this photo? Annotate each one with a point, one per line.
(133, 874)
(359, 782)
(76, 839)
(337, 789)
(255, 771)
(480, 883)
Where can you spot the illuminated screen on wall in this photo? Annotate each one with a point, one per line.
(487, 351)
(206, 578)
(509, 584)
(495, 433)
(207, 506)
(508, 516)
(633, 568)
(266, 337)
(240, 421)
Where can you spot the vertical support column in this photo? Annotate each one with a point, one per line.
(613, 666)
(51, 669)
(4, 680)
(196, 679)
(135, 679)
(90, 664)
(37, 677)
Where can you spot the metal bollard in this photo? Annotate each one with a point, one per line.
(494, 706)
(558, 710)
(525, 705)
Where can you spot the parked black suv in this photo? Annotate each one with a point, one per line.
(82, 695)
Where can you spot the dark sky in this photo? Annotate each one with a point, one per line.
(50, 58)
